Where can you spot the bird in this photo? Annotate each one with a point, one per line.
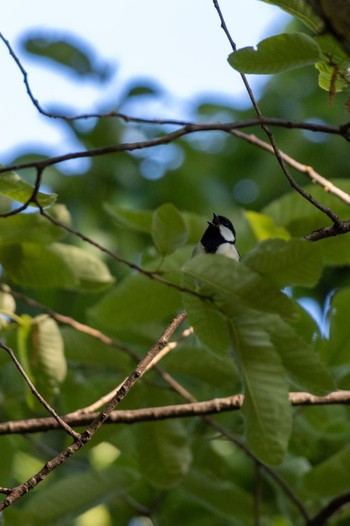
(219, 238)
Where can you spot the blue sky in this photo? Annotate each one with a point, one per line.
(179, 44)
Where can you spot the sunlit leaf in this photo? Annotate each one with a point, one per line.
(278, 53)
(19, 190)
(302, 10)
(264, 227)
(55, 265)
(30, 228)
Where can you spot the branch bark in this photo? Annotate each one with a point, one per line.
(192, 409)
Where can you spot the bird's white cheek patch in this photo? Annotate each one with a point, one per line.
(226, 233)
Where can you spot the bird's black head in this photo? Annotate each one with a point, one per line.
(219, 231)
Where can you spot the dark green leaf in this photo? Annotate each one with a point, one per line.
(221, 497)
(136, 300)
(163, 452)
(337, 347)
(266, 407)
(232, 284)
(293, 262)
(331, 477)
(169, 230)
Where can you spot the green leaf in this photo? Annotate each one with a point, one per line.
(139, 220)
(163, 452)
(66, 52)
(264, 227)
(333, 71)
(136, 300)
(330, 79)
(89, 271)
(48, 361)
(79, 491)
(293, 262)
(300, 217)
(219, 497)
(301, 362)
(266, 407)
(231, 284)
(337, 347)
(19, 190)
(42, 354)
(209, 323)
(226, 324)
(278, 53)
(30, 228)
(301, 10)
(55, 265)
(332, 477)
(169, 230)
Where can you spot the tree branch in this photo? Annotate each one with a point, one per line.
(97, 422)
(315, 177)
(322, 516)
(191, 409)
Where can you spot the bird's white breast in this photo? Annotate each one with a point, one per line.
(228, 250)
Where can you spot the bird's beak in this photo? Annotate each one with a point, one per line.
(215, 221)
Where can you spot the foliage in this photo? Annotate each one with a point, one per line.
(293, 50)
(252, 332)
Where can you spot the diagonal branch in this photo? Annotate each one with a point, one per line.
(97, 422)
(303, 168)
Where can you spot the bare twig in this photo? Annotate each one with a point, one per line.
(303, 168)
(36, 393)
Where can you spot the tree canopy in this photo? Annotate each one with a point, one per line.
(143, 386)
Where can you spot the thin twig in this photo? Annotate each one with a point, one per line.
(303, 168)
(36, 393)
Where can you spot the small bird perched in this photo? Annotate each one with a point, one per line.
(219, 238)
